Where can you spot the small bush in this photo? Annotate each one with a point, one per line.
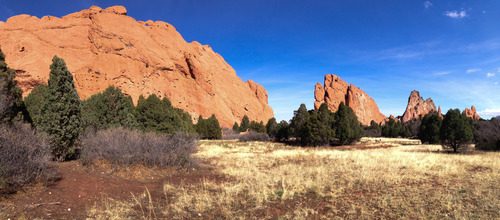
(25, 158)
(253, 136)
(120, 146)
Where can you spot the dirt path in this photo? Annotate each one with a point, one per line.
(78, 188)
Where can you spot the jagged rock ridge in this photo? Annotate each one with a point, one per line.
(417, 107)
(105, 47)
(471, 113)
(335, 90)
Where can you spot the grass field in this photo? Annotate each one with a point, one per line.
(269, 180)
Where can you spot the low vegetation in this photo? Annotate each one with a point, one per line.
(269, 180)
(122, 147)
(24, 160)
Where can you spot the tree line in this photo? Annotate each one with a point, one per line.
(56, 110)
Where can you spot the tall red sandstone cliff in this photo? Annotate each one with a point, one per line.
(104, 47)
(336, 90)
(417, 107)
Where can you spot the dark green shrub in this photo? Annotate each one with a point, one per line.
(257, 127)
(283, 131)
(347, 127)
(429, 128)
(236, 127)
(155, 115)
(455, 131)
(298, 127)
(272, 127)
(35, 100)
(209, 128)
(319, 127)
(11, 101)
(107, 109)
(245, 124)
(60, 114)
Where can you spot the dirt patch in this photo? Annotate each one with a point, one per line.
(77, 188)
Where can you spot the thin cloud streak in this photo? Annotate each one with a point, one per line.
(473, 70)
(456, 14)
(427, 4)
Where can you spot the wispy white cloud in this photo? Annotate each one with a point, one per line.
(442, 73)
(490, 112)
(473, 70)
(496, 83)
(498, 70)
(456, 14)
(427, 4)
(490, 75)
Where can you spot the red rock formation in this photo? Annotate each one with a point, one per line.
(439, 112)
(417, 107)
(335, 91)
(104, 47)
(471, 113)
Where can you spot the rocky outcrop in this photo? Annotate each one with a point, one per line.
(471, 113)
(104, 47)
(335, 91)
(417, 107)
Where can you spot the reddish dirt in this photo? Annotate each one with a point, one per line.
(77, 188)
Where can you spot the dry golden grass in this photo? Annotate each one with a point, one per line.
(273, 180)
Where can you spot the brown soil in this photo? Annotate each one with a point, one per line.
(78, 188)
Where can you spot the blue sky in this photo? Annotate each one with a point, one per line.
(447, 50)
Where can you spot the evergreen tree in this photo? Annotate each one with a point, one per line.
(392, 129)
(298, 127)
(429, 128)
(257, 127)
(60, 115)
(35, 100)
(455, 131)
(209, 128)
(272, 127)
(283, 131)
(155, 115)
(236, 127)
(11, 101)
(245, 124)
(320, 125)
(110, 108)
(347, 127)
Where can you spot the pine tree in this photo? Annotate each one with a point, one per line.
(236, 127)
(60, 115)
(272, 127)
(11, 101)
(155, 115)
(209, 128)
(245, 124)
(110, 108)
(429, 128)
(35, 100)
(455, 131)
(283, 132)
(298, 122)
(347, 127)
